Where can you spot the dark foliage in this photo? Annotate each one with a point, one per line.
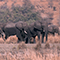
(17, 13)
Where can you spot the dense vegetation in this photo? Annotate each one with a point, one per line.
(26, 13)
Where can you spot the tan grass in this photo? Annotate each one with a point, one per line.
(12, 39)
(38, 46)
(21, 45)
(47, 45)
(54, 39)
(1, 40)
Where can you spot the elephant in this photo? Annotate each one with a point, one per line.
(35, 29)
(53, 29)
(30, 33)
(9, 29)
(26, 31)
(42, 27)
(21, 27)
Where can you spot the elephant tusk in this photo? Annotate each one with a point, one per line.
(25, 32)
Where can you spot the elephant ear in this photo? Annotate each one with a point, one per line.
(19, 25)
(50, 28)
(37, 25)
(25, 25)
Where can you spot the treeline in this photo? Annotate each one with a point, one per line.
(26, 13)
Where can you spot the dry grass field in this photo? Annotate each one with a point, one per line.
(24, 51)
(37, 51)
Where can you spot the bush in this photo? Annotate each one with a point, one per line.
(38, 46)
(14, 47)
(21, 46)
(12, 39)
(47, 45)
(17, 13)
(58, 47)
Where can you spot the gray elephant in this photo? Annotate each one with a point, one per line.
(37, 28)
(9, 29)
(53, 29)
(42, 26)
(27, 31)
(17, 29)
(21, 27)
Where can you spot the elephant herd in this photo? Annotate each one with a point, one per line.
(24, 32)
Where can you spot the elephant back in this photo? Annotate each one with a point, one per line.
(9, 25)
(18, 26)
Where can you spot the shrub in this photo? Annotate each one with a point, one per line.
(38, 46)
(47, 45)
(25, 13)
(58, 47)
(14, 47)
(55, 41)
(12, 39)
(21, 46)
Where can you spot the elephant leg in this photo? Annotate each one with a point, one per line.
(43, 37)
(46, 34)
(46, 37)
(53, 34)
(46, 31)
(21, 38)
(34, 40)
(29, 40)
(6, 37)
(29, 36)
(39, 36)
(18, 34)
(26, 41)
(18, 39)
